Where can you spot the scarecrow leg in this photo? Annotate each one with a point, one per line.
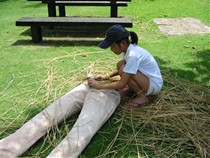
(98, 107)
(17, 143)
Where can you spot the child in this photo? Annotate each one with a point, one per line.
(138, 69)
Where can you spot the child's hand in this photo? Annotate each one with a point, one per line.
(100, 77)
(103, 77)
(93, 83)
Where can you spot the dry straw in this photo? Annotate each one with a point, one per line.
(176, 123)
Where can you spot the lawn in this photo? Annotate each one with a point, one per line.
(32, 76)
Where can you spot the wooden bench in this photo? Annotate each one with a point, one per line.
(36, 23)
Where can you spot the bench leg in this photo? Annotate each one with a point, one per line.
(36, 33)
(62, 11)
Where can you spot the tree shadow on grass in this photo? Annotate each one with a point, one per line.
(198, 72)
(1, 1)
(59, 42)
(66, 36)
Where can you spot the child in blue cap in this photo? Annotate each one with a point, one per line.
(138, 69)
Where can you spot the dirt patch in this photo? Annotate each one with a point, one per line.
(181, 26)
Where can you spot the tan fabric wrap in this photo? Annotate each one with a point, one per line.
(96, 107)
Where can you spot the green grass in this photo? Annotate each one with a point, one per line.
(25, 66)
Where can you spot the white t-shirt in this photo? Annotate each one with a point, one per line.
(138, 59)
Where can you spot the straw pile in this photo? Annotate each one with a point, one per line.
(175, 124)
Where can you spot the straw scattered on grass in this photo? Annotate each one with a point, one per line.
(175, 124)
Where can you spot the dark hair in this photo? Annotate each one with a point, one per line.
(134, 38)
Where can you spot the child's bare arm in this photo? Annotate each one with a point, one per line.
(107, 76)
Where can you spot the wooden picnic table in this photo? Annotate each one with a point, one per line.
(51, 4)
(52, 21)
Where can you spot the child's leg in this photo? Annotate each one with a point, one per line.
(98, 107)
(139, 83)
(18, 142)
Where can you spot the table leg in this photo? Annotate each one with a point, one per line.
(113, 8)
(51, 9)
(62, 11)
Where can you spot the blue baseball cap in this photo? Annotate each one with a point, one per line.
(113, 34)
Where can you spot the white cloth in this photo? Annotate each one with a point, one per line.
(97, 106)
(138, 59)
